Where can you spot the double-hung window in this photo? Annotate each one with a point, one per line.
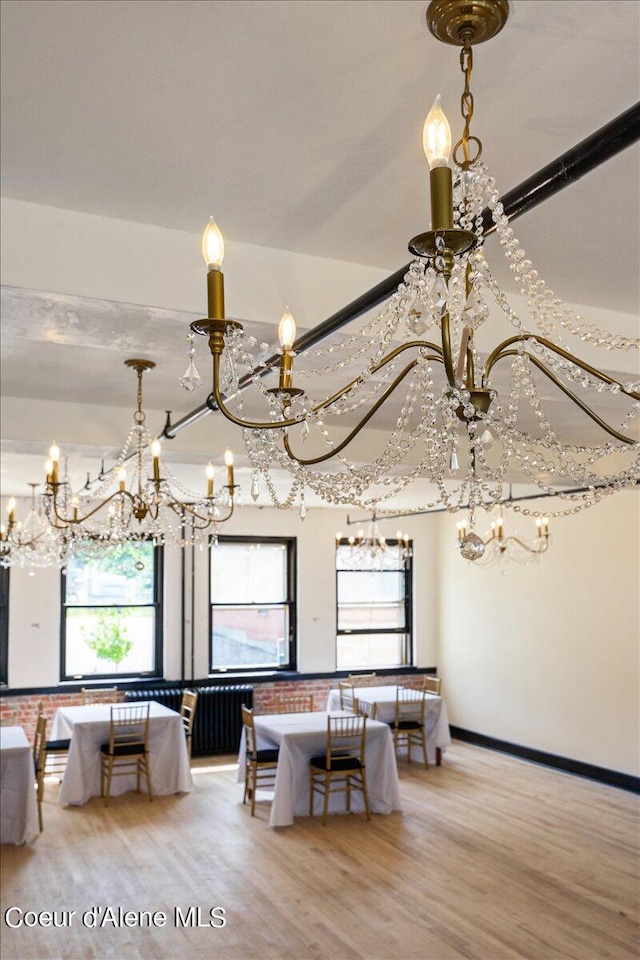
(374, 609)
(252, 604)
(112, 612)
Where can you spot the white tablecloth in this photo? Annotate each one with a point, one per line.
(436, 719)
(18, 807)
(301, 736)
(88, 728)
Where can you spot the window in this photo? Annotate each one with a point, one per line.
(373, 610)
(4, 625)
(112, 612)
(252, 601)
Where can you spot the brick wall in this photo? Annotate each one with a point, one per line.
(22, 710)
(265, 694)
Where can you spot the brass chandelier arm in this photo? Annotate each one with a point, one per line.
(305, 462)
(73, 521)
(497, 354)
(294, 421)
(447, 355)
(181, 508)
(572, 396)
(542, 548)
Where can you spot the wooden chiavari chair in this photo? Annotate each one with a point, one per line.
(343, 763)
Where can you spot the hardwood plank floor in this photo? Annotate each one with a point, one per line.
(491, 858)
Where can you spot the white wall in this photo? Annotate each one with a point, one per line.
(546, 654)
(34, 603)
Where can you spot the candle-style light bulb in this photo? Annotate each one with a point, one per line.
(54, 456)
(209, 473)
(122, 478)
(338, 538)
(287, 330)
(228, 459)
(212, 246)
(11, 505)
(156, 450)
(436, 136)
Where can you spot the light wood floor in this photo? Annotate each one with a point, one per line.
(491, 858)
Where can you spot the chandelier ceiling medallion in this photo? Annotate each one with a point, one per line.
(470, 414)
(147, 502)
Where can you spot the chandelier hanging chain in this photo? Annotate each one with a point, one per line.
(466, 106)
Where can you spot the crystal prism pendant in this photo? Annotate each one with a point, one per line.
(440, 296)
(302, 512)
(255, 488)
(191, 379)
(304, 431)
(487, 439)
(453, 461)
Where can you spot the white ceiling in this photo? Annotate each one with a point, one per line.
(298, 125)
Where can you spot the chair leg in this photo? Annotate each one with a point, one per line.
(424, 749)
(108, 777)
(365, 793)
(325, 805)
(254, 787)
(312, 790)
(145, 762)
(39, 798)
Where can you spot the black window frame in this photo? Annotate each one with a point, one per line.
(158, 604)
(290, 543)
(407, 646)
(4, 626)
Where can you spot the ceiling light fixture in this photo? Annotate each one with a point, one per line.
(372, 550)
(32, 542)
(148, 502)
(497, 545)
(487, 419)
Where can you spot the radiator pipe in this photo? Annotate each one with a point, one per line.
(595, 149)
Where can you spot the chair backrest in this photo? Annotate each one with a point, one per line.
(432, 685)
(39, 744)
(347, 695)
(410, 704)
(249, 731)
(188, 710)
(362, 679)
(346, 736)
(364, 708)
(129, 726)
(98, 695)
(294, 703)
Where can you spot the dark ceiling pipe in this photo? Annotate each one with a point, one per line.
(605, 143)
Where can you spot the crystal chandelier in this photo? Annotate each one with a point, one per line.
(497, 545)
(147, 502)
(469, 414)
(32, 542)
(372, 550)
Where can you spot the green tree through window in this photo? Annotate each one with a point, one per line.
(112, 614)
